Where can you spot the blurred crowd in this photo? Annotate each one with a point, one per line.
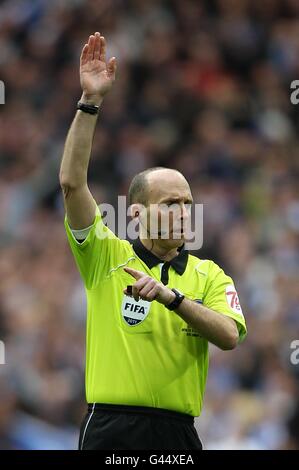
(204, 87)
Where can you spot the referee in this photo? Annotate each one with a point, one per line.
(152, 308)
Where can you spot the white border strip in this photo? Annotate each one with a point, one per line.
(120, 265)
(88, 421)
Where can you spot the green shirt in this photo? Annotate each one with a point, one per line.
(141, 353)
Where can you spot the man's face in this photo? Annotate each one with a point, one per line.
(169, 205)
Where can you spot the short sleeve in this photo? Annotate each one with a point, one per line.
(221, 296)
(96, 253)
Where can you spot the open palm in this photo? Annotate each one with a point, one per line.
(96, 76)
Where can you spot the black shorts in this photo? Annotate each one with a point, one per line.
(121, 427)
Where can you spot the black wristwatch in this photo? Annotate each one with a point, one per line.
(179, 297)
(88, 108)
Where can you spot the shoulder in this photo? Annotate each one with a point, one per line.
(201, 265)
(206, 267)
(122, 247)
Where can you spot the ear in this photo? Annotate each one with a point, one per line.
(135, 210)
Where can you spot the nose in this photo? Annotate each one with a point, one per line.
(185, 212)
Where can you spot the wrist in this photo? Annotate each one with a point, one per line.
(95, 100)
(168, 296)
(176, 302)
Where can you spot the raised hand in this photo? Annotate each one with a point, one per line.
(96, 75)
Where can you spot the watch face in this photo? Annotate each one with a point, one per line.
(179, 297)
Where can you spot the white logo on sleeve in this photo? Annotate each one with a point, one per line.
(233, 299)
(134, 312)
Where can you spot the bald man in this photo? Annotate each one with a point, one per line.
(152, 307)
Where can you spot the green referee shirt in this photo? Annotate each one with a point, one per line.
(140, 353)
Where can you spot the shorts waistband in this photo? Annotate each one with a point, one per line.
(146, 410)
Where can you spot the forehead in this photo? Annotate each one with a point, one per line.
(164, 184)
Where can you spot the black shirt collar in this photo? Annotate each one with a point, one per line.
(179, 262)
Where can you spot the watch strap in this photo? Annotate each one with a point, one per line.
(88, 108)
(179, 297)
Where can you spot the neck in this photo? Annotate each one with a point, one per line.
(163, 252)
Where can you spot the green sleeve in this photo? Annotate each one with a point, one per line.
(221, 296)
(95, 255)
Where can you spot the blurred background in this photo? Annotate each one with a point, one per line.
(204, 87)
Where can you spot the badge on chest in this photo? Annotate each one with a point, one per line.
(134, 312)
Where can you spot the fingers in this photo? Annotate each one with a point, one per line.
(133, 272)
(145, 288)
(83, 58)
(148, 292)
(152, 294)
(111, 67)
(97, 46)
(135, 293)
(95, 49)
(91, 43)
(138, 286)
(102, 49)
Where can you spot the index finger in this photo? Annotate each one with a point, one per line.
(135, 273)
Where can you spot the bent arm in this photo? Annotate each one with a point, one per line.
(216, 328)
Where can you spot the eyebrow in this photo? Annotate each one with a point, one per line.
(176, 199)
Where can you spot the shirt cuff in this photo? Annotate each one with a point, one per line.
(82, 233)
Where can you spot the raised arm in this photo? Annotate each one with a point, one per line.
(96, 78)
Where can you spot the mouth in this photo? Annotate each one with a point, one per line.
(171, 233)
(179, 232)
(179, 229)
